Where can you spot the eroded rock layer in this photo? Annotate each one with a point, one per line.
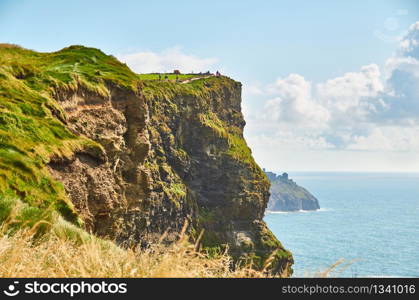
(136, 158)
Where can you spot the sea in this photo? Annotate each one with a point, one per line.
(368, 225)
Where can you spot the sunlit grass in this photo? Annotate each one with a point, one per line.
(68, 252)
(31, 127)
(170, 76)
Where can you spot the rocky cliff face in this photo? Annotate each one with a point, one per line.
(154, 155)
(286, 195)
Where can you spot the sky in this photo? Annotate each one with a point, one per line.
(327, 85)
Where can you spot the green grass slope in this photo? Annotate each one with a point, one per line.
(32, 123)
(31, 133)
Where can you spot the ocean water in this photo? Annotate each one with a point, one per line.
(368, 219)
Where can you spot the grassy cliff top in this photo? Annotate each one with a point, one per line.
(32, 131)
(171, 76)
(68, 67)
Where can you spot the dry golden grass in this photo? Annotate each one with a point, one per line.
(68, 251)
(7, 45)
(333, 270)
(22, 255)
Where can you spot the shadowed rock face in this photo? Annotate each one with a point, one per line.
(286, 195)
(172, 153)
(83, 136)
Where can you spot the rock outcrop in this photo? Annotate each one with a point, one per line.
(286, 195)
(147, 157)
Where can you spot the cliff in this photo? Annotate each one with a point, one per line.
(129, 159)
(286, 195)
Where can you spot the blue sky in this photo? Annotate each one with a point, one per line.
(254, 40)
(293, 57)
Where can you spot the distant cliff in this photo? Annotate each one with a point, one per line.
(128, 158)
(286, 195)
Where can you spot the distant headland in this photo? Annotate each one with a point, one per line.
(286, 195)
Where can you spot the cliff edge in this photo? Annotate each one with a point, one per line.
(286, 195)
(129, 159)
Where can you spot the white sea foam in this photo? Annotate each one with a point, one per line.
(277, 212)
(323, 209)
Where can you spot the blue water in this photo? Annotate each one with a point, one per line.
(369, 219)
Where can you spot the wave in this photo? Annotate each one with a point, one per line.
(277, 212)
(322, 209)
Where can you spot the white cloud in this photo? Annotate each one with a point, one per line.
(167, 60)
(371, 114)
(294, 103)
(410, 42)
(407, 64)
(344, 93)
(388, 139)
(288, 140)
(253, 89)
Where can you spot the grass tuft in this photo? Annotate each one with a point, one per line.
(66, 251)
(30, 131)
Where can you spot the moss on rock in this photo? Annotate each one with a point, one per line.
(148, 154)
